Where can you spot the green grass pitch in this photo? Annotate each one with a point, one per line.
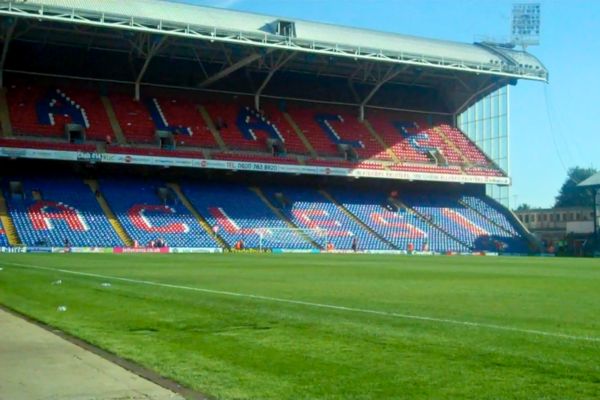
(257, 326)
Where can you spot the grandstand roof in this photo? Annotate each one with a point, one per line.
(185, 20)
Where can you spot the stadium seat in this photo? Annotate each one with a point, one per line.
(253, 223)
(55, 210)
(146, 217)
(400, 227)
(309, 209)
(465, 223)
(44, 111)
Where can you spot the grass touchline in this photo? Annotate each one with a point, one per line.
(319, 305)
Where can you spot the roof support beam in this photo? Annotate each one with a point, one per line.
(151, 52)
(280, 63)
(389, 75)
(232, 68)
(7, 38)
(485, 86)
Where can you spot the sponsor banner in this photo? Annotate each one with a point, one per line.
(247, 166)
(154, 250)
(385, 252)
(13, 249)
(39, 250)
(177, 250)
(91, 249)
(61, 250)
(301, 251)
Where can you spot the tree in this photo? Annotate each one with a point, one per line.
(572, 196)
(523, 207)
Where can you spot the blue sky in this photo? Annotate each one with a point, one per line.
(553, 127)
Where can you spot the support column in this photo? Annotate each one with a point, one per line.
(391, 74)
(280, 63)
(152, 51)
(7, 38)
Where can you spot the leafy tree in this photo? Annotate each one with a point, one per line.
(523, 207)
(570, 195)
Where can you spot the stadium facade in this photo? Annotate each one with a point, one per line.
(487, 123)
(158, 119)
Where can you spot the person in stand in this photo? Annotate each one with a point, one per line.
(67, 243)
(354, 245)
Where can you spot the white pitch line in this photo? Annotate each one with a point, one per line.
(319, 305)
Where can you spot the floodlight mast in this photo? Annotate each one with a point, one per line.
(525, 24)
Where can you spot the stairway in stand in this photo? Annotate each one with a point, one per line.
(7, 223)
(93, 184)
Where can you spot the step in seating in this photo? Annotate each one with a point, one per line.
(326, 128)
(484, 207)
(401, 227)
(3, 237)
(237, 214)
(309, 209)
(55, 212)
(244, 128)
(147, 217)
(134, 118)
(182, 118)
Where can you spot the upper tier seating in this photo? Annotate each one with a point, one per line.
(309, 209)
(244, 128)
(400, 227)
(182, 118)
(414, 138)
(146, 217)
(239, 214)
(410, 137)
(44, 111)
(66, 209)
(327, 127)
(134, 118)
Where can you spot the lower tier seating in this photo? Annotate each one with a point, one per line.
(64, 211)
(324, 221)
(401, 227)
(238, 214)
(3, 237)
(464, 223)
(59, 212)
(148, 217)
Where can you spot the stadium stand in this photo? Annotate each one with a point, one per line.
(57, 212)
(44, 111)
(307, 208)
(134, 118)
(148, 211)
(254, 223)
(182, 118)
(420, 145)
(463, 222)
(326, 127)
(400, 226)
